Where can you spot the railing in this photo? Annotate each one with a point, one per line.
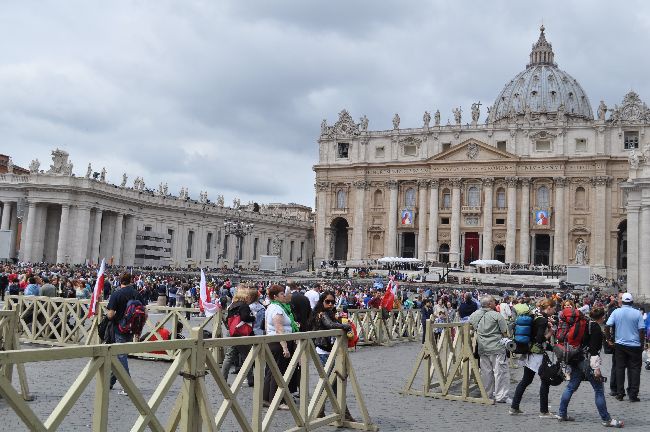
(446, 367)
(64, 322)
(9, 342)
(192, 410)
(374, 328)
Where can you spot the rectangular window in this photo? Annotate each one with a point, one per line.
(343, 150)
(302, 250)
(444, 221)
(225, 246)
(543, 146)
(208, 246)
(268, 246)
(631, 140)
(291, 251)
(500, 221)
(219, 237)
(501, 145)
(581, 145)
(255, 242)
(281, 247)
(171, 239)
(380, 151)
(190, 242)
(240, 248)
(147, 228)
(446, 200)
(410, 150)
(446, 146)
(501, 199)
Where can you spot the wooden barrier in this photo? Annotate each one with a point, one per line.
(400, 325)
(192, 410)
(9, 342)
(446, 366)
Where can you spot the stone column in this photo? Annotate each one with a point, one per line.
(644, 254)
(433, 216)
(358, 231)
(83, 226)
(62, 246)
(454, 247)
(524, 222)
(633, 218)
(129, 240)
(599, 218)
(97, 232)
(511, 220)
(117, 240)
(13, 226)
(488, 193)
(559, 256)
(423, 185)
(6, 215)
(28, 238)
(322, 246)
(391, 236)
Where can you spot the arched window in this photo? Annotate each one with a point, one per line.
(378, 198)
(446, 199)
(340, 199)
(473, 197)
(409, 198)
(543, 200)
(501, 198)
(581, 198)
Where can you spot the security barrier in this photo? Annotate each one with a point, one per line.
(446, 367)
(192, 410)
(398, 325)
(9, 342)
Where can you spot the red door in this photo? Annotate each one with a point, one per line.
(471, 247)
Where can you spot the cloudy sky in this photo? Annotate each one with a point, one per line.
(228, 96)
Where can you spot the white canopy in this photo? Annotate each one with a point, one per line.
(391, 260)
(486, 263)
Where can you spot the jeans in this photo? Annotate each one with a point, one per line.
(521, 388)
(574, 382)
(628, 358)
(233, 354)
(323, 358)
(122, 358)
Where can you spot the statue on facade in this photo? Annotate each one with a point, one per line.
(89, 171)
(165, 189)
(396, 121)
(59, 162)
(364, 123)
(67, 169)
(160, 189)
(10, 165)
(323, 127)
(560, 113)
(184, 194)
(102, 176)
(236, 203)
(34, 166)
(124, 179)
(436, 118)
(203, 197)
(476, 111)
(527, 114)
(426, 119)
(581, 252)
(602, 110)
(458, 115)
(220, 200)
(633, 159)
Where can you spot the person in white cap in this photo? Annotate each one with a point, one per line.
(629, 339)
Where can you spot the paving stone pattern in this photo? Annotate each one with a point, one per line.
(382, 372)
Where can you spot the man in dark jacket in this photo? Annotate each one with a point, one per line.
(300, 306)
(467, 307)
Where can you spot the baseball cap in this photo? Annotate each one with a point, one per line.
(627, 298)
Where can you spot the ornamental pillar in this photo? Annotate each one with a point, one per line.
(391, 237)
(599, 236)
(524, 222)
(559, 257)
(511, 220)
(487, 248)
(82, 228)
(644, 253)
(97, 231)
(28, 238)
(322, 243)
(6, 215)
(423, 185)
(454, 247)
(358, 234)
(62, 246)
(633, 225)
(433, 215)
(117, 240)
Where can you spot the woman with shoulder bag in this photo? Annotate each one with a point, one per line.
(239, 310)
(325, 317)
(589, 369)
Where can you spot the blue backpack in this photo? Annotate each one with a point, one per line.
(523, 334)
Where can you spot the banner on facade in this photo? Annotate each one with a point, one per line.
(542, 217)
(407, 217)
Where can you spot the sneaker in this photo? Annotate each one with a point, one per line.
(614, 423)
(283, 406)
(515, 411)
(122, 393)
(505, 401)
(547, 415)
(620, 397)
(564, 419)
(635, 399)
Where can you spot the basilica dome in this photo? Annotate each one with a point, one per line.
(542, 88)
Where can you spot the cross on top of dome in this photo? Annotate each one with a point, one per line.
(542, 52)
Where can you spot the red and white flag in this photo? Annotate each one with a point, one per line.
(204, 298)
(388, 299)
(97, 292)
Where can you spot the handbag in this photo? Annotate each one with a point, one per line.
(101, 328)
(550, 372)
(237, 327)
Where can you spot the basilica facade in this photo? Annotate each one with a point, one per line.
(539, 181)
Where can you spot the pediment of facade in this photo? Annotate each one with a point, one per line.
(473, 150)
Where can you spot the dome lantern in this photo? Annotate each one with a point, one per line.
(542, 52)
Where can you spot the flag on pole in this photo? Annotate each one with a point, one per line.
(97, 292)
(204, 298)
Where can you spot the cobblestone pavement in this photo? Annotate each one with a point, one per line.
(382, 372)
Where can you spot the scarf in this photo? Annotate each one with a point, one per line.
(286, 307)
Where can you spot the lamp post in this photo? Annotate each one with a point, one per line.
(239, 229)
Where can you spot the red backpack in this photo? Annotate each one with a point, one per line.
(134, 319)
(571, 327)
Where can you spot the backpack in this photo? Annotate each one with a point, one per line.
(570, 332)
(551, 372)
(237, 327)
(134, 318)
(523, 332)
(260, 319)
